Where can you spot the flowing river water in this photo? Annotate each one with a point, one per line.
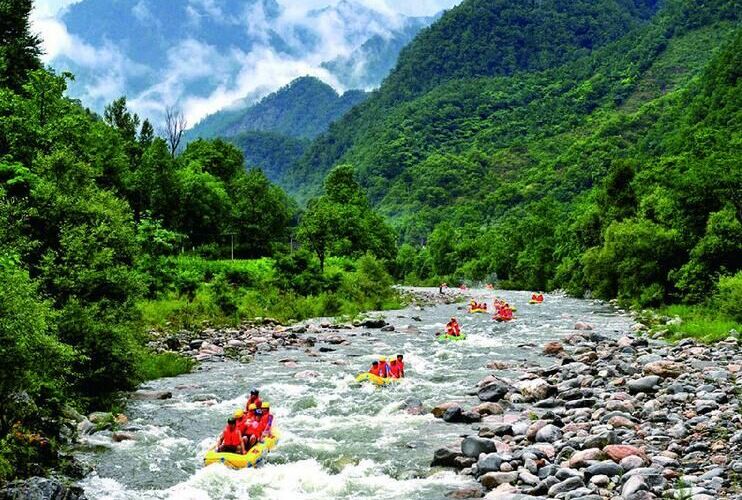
(339, 439)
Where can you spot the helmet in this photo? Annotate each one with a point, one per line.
(231, 421)
(252, 407)
(254, 391)
(266, 404)
(382, 358)
(238, 413)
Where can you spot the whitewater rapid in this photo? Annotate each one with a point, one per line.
(339, 440)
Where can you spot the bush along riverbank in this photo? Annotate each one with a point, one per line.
(629, 418)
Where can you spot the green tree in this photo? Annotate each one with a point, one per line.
(19, 48)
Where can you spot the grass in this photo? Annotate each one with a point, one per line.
(169, 364)
(699, 322)
(251, 292)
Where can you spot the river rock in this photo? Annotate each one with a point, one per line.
(606, 468)
(664, 368)
(374, 323)
(493, 391)
(445, 457)
(553, 348)
(307, 374)
(117, 437)
(40, 488)
(535, 389)
(569, 484)
(582, 326)
(472, 446)
(438, 410)
(646, 384)
(548, 434)
(492, 480)
(488, 409)
(142, 395)
(582, 458)
(618, 452)
(491, 462)
(466, 493)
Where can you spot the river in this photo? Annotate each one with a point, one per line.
(339, 440)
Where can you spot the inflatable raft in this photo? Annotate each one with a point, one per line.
(375, 379)
(254, 456)
(451, 338)
(501, 319)
(478, 310)
(535, 301)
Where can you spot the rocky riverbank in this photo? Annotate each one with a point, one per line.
(629, 418)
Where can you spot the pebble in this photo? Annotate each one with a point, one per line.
(624, 418)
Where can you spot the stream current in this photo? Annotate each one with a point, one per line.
(339, 440)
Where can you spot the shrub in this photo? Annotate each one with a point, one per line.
(728, 297)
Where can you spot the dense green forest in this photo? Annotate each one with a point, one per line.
(606, 163)
(106, 231)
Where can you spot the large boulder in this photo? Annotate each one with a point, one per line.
(445, 457)
(142, 395)
(536, 389)
(440, 409)
(490, 462)
(472, 446)
(493, 391)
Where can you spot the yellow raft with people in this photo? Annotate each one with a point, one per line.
(375, 379)
(252, 458)
(478, 310)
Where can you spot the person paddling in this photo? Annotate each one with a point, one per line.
(384, 370)
(452, 328)
(230, 440)
(400, 365)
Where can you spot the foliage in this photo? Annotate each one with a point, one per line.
(167, 364)
(341, 222)
(728, 296)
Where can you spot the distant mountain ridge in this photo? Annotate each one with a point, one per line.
(208, 49)
(302, 109)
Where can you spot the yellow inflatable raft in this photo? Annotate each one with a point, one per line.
(254, 456)
(478, 310)
(375, 379)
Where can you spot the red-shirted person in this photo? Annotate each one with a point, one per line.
(267, 421)
(374, 370)
(253, 399)
(393, 369)
(230, 440)
(452, 328)
(400, 365)
(384, 370)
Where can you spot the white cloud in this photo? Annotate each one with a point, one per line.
(225, 76)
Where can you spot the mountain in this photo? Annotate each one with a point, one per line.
(204, 55)
(370, 63)
(584, 145)
(302, 109)
(478, 38)
(274, 133)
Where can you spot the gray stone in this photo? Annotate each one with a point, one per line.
(567, 485)
(606, 468)
(548, 434)
(645, 384)
(444, 457)
(632, 485)
(493, 391)
(39, 488)
(490, 462)
(631, 462)
(472, 446)
(142, 395)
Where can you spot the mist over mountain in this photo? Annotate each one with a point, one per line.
(204, 55)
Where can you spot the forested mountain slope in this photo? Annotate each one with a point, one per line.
(535, 173)
(274, 133)
(477, 38)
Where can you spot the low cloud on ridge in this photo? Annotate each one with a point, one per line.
(201, 78)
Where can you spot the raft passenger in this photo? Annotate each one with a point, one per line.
(230, 440)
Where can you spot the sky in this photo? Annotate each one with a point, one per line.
(235, 74)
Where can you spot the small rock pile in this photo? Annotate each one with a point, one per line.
(240, 343)
(626, 419)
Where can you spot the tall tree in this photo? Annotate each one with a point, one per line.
(19, 48)
(175, 127)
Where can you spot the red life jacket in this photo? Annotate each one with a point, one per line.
(394, 369)
(231, 437)
(242, 424)
(400, 367)
(253, 429)
(256, 401)
(375, 370)
(383, 369)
